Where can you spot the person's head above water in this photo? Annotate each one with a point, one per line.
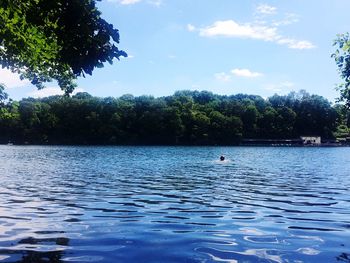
(222, 158)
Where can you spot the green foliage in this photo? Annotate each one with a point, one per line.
(342, 59)
(3, 94)
(343, 130)
(186, 118)
(250, 118)
(44, 40)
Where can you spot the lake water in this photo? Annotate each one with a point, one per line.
(174, 204)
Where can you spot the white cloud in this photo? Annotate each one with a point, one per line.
(125, 2)
(50, 91)
(129, 2)
(286, 85)
(11, 80)
(222, 76)
(157, 3)
(258, 30)
(296, 44)
(265, 9)
(191, 28)
(230, 28)
(289, 19)
(46, 92)
(273, 88)
(246, 73)
(132, 2)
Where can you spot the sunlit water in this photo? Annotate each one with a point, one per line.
(174, 204)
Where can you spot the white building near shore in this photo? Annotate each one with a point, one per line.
(311, 140)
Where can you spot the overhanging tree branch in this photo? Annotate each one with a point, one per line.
(46, 40)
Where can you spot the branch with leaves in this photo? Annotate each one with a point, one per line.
(60, 40)
(342, 59)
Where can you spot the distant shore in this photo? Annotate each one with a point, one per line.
(185, 118)
(188, 145)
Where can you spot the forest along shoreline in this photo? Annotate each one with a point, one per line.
(265, 143)
(185, 118)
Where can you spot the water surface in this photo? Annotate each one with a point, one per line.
(174, 204)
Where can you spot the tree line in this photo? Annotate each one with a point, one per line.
(185, 118)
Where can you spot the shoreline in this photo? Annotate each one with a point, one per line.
(322, 145)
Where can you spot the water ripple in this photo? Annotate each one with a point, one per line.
(174, 204)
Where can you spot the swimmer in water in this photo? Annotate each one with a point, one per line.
(222, 158)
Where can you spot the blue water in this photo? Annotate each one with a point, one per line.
(174, 204)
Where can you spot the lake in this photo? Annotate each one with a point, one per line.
(174, 204)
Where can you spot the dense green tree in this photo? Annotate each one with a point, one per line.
(173, 125)
(343, 113)
(186, 118)
(250, 118)
(285, 121)
(10, 123)
(277, 101)
(61, 40)
(342, 59)
(201, 125)
(3, 95)
(267, 123)
(315, 116)
(224, 129)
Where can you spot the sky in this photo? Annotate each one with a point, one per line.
(223, 46)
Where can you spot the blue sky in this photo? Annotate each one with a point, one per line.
(224, 46)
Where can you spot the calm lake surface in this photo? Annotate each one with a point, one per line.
(174, 204)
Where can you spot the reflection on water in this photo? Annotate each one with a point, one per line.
(33, 249)
(344, 257)
(174, 204)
